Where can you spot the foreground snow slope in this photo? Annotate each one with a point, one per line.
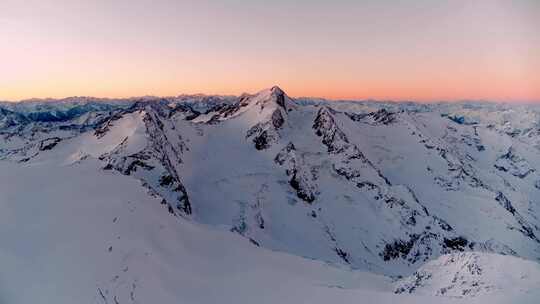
(84, 236)
(73, 234)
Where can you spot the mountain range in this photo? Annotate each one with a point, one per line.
(205, 199)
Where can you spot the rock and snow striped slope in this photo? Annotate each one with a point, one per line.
(472, 274)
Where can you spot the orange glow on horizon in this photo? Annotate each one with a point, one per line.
(496, 93)
(455, 50)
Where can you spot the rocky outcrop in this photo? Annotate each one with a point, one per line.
(262, 136)
(301, 178)
(525, 228)
(514, 164)
(382, 116)
(49, 143)
(332, 137)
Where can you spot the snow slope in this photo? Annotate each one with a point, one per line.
(88, 233)
(89, 236)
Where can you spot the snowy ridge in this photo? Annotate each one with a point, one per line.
(472, 274)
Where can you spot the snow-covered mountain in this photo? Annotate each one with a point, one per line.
(383, 191)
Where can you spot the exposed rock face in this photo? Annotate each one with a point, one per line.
(262, 139)
(49, 143)
(382, 116)
(277, 119)
(279, 97)
(505, 203)
(525, 228)
(332, 137)
(512, 163)
(301, 178)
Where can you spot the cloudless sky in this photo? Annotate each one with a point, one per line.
(404, 50)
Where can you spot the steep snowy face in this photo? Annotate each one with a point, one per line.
(377, 186)
(268, 112)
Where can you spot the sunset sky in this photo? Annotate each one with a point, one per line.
(402, 50)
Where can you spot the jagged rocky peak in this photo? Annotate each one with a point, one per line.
(269, 116)
(267, 105)
(514, 164)
(332, 136)
(279, 96)
(325, 119)
(383, 116)
(273, 97)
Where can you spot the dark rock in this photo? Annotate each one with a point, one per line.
(279, 96)
(302, 193)
(49, 143)
(458, 243)
(252, 241)
(505, 202)
(343, 255)
(166, 180)
(277, 119)
(382, 116)
(262, 141)
(135, 164)
(398, 248)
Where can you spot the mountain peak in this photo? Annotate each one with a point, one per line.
(273, 95)
(277, 90)
(279, 96)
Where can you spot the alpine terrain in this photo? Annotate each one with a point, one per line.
(268, 199)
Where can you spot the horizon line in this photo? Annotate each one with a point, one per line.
(331, 99)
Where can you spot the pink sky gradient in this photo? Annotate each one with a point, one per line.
(402, 50)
